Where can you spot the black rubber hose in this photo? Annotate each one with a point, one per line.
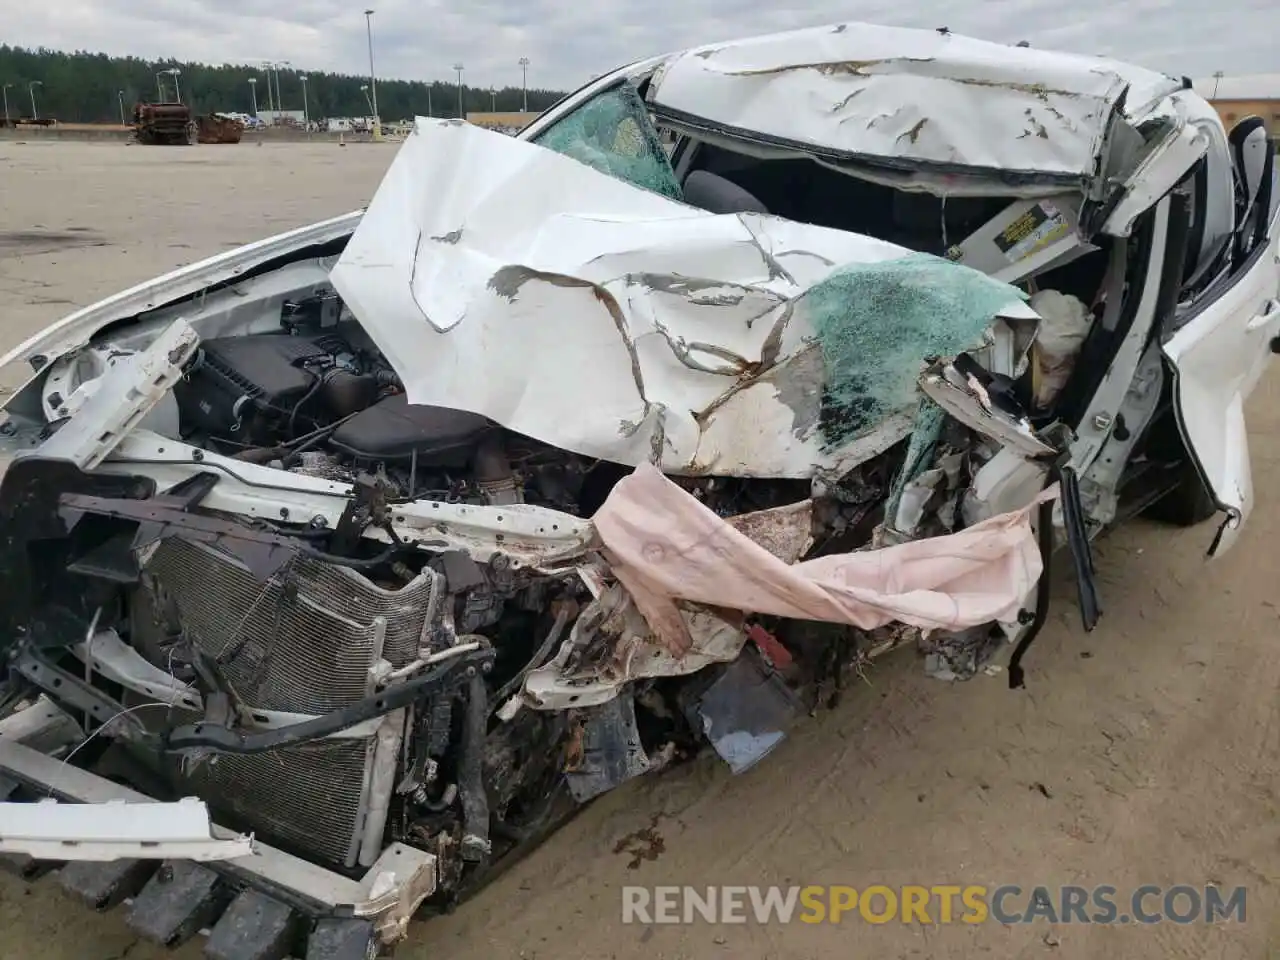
(440, 679)
(311, 392)
(471, 792)
(540, 655)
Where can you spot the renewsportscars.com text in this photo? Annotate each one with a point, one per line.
(938, 903)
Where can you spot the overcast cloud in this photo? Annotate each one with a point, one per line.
(569, 41)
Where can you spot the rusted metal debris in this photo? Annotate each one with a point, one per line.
(218, 128)
(162, 123)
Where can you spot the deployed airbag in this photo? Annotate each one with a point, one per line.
(664, 546)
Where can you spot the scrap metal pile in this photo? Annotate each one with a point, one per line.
(162, 123)
(218, 128)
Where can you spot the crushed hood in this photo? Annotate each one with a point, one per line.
(911, 97)
(505, 279)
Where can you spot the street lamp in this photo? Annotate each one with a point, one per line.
(31, 89)
(120, 99)
(524, 82)
(373, 83)
(1217, 78)
(493, 100)
(306, 113)
(462, 114)
(253, 94)
(279, 95)
(4, 89)
(271, 97)
(275, 98)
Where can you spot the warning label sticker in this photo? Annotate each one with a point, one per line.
(1038, 227)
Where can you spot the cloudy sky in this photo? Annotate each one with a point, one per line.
(569, 41)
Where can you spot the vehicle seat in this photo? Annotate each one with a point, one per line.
(715, 194)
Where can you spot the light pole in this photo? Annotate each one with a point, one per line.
(524, 83)
(373, 83)
(306, 112)
(271, 97)
(430, 110)
(31, 89)
(462, 114)
(1217, 78)
(493, 100)
(120, 99)
(279, 95)
(4, 89)
(253, 94)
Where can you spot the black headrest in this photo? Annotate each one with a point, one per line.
(1242, 130)
(715, 194)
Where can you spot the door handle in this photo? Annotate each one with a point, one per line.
(1269, 313)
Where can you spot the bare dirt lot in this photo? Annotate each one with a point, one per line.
(1145, 752)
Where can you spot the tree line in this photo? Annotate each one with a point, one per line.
(84, 87)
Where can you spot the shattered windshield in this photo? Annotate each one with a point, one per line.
(877, 322)
(613, 134)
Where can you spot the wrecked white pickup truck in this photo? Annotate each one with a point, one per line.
(394, 539)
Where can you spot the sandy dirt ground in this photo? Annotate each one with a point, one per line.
(1145, 752)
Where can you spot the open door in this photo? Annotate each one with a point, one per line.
(1217, 356)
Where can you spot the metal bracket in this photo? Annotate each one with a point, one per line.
(103, 411)
(67, 688)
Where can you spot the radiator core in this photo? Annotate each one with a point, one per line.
(305, 641)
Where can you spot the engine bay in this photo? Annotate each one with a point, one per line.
(317, 398)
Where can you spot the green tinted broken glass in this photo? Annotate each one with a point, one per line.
(926, 431)
(612, 133)
(877, 323)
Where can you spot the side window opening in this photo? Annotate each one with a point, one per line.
(1196, 186)
(613, 133)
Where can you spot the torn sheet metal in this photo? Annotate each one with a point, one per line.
(746, 713)
(912, 97)
(608, 751)
(687, 334)
(968, 401)
(612, 644)
(116, 830)
(665, 547)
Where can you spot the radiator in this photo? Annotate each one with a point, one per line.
(305, 641)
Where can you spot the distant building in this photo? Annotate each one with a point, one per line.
(1238, 97)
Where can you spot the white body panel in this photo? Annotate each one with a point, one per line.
(1218, 357)
(115, 831)
(912, 96)
(574, 291)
